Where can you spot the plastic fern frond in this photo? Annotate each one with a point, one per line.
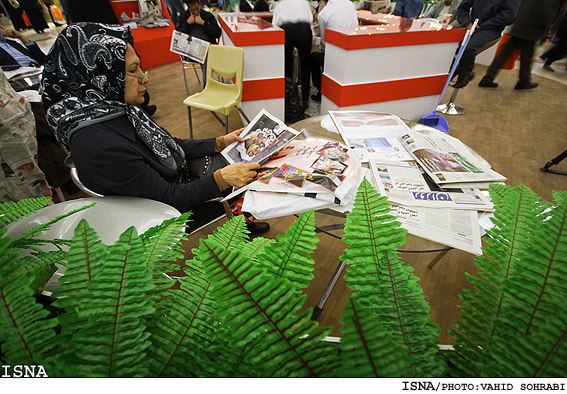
(13, 211)
(515, 210)
(290, 257)
(182, 337)
(542, 354)
(367, 348)
(163, 244)
(115, 340)
(233, 234)
(27, 334)
(536, 289)
(255, 247)
(252, 303)
(384, 284)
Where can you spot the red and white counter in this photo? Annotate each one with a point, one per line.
(263, 45)
(396, 65)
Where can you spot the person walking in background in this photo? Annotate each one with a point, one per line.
(532, 23)
(442, 8)
(559, 50)
(337, 13)
(295, 18)
(408, 8)
(176, 9)
(196, 22)
(493, 16)
(34, 11)
(15, 13)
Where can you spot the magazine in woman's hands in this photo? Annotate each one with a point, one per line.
(264, 136)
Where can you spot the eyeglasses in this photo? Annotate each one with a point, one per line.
(142, 79)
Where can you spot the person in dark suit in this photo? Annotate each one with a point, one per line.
(493, 16)
(245, 6)
(15, 14)
(532, 23)
(261, 6)
(15, 54)
(34, 11)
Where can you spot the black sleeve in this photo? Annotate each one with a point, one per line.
(132, 176)
(36, 53)
(182, 24)
(196, 148)
(244, 6)
(504, 17)
(211, 26)
(464, 12)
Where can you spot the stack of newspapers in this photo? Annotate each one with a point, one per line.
(436, 184)
(295, 175)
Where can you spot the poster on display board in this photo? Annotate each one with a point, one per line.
(150, 8)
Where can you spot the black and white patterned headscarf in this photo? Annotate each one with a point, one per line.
(83, 84)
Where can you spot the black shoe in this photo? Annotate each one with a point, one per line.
(547, 67)
(257, 228)
(316, 97)
(150, 109)
(526, 85)
(487, 83)
(463, 81)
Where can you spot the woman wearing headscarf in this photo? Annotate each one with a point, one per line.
(91, 88)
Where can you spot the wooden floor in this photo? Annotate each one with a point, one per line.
(516, 131)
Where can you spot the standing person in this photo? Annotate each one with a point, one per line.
(199, 23)
(261, 6)
(408, 8)
(532, 22)
(442, 8)
(90, 11)
(15, 13)
(176, 9)
(337, 13)
(92, 85)
(245, 6)
(493, 16)
(559, 49)
(295, 18)
(34, 11)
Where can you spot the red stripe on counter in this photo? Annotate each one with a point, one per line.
(378, 92)
(263, 89)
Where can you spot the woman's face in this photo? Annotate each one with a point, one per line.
(134, 87)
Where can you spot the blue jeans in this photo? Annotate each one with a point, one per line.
(408, 8)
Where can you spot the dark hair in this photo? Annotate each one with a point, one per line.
(188, 2)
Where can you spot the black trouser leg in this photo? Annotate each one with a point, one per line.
(499, 60)
(526, 56)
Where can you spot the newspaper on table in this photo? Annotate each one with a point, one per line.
(406, 183)
(372, 134)
(447, 160)
(264, 136)
(452, 227)
(192, 47)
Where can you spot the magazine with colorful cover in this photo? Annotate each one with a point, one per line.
(372, 134)
(264, 136)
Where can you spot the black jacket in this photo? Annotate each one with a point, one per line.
(492, 14)
(112, 160)
(534, 18)
(9, 63)
(211, 27)
(261, 6)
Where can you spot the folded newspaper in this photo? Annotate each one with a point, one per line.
(372, 134)
(406, 183)
(192, 47)
(447, 160)
(264, 136)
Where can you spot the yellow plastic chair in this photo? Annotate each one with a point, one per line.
(226, 62)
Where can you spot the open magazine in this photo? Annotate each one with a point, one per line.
(265, 135)
(192, 47)
(406, 183)
(372, 134)
(447, 160)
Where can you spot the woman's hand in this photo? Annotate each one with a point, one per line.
(234, 136)
(240, 174)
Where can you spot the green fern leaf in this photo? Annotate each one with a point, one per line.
(367, 348)
(253, 303)
(542, 354)
(384, 284)
(536, 289)
(13, 211)
(181, 339)
(233, 234)
(163, 243)
(27, 334)
(290, 256)
(255, 247)
(507, 241)
(115, 340)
